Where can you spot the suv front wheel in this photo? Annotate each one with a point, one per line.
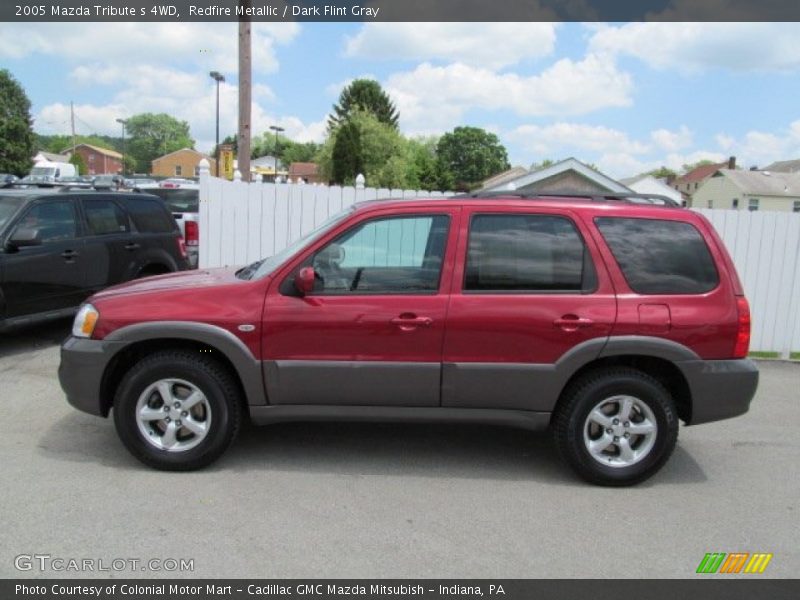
(177, 410)
(616, 426)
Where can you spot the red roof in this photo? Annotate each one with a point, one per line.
(700, 173)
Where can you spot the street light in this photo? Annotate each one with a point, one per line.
(218, 77)
(123, 122)
(277, 130)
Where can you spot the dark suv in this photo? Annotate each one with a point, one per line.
(56, 249)
(603, 319)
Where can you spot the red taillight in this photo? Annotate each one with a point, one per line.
(182, 247)
(192, 233)
(743, 330)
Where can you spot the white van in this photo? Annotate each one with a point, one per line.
(45, 172)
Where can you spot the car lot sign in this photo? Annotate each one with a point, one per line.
(226, 160)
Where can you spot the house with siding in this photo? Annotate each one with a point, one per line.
(690, 182)
(750, 190)
(181, 163)
(98, 161)
(569, 176)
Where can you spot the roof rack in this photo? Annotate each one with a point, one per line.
(631, 198)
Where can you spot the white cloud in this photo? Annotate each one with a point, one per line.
(672, 141)
(208, 46)
(433, 99)
(560, 140)
(697, 47)
(490, 45)
(761, 148)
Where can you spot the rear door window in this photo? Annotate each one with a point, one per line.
(105, 217)
(657, 256)
(527, 253)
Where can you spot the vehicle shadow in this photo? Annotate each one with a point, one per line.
(34, 337)
(389, 449)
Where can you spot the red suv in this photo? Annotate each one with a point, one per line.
(603, 318)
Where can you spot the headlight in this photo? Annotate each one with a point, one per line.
(85, 320)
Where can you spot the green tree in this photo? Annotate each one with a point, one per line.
(365, 145)
(366, 95)
(154, 135)
(422, 172)
(537, 166)
(662, 172)
(80, 165)
(16, 127)
(469, 155)
(346, 158)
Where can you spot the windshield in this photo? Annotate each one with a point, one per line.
(8, 206)
(265, 266)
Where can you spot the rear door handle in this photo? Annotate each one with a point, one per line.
(572, 322)
(68, 254)
(132, 246)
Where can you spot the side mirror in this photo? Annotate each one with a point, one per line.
(26, 236)
(304, 280)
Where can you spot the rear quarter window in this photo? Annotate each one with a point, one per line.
(657, 256)
(149, 215)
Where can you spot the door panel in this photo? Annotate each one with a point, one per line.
(371, 332)
(530, 290)
(49, 276)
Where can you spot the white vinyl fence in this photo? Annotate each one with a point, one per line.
(242, 222)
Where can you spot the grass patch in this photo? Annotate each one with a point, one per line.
(794, 355)
(769, 354)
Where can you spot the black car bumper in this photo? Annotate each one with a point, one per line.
(720, 389)
(83, 365)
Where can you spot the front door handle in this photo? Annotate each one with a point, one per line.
(69, 254)
(572, 322)
(132, 246)
(409, 322)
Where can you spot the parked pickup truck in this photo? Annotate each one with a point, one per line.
(184, 203)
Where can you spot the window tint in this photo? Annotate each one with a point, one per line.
(149, 216)
(105, 217)
(660, 257)
(391, 255)
(515, 252)
(54, 220)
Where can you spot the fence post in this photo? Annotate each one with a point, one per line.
(237, 175)
(360, 181)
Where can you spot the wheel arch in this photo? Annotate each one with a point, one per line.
(656, 357)
(144, 338)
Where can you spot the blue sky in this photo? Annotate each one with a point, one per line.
(627, 97)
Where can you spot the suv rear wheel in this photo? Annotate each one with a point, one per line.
(616, 426)
(177, 410)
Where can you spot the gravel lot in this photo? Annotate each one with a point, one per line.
(359, 500)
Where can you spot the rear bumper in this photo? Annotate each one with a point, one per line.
(720, 389)
(83, 364)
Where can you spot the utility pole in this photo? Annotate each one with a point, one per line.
(245, 90)
(218, 77)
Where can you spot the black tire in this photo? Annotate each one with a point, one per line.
(570, 423)
(210, 378)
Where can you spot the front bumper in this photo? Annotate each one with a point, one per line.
(83, 365)
(720, 389)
